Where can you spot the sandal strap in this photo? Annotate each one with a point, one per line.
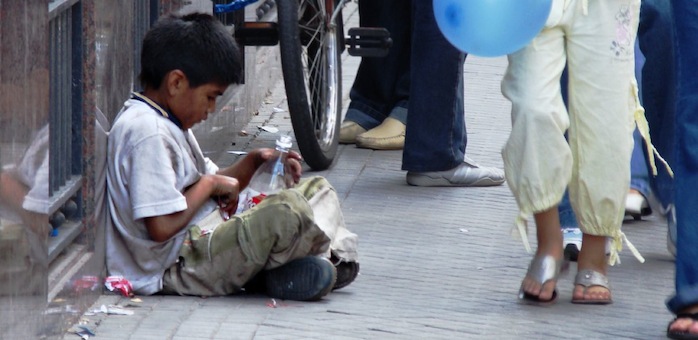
(544, 268)
(588, 277)
(692, 316)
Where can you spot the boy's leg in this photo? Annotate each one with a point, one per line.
(277, 231)
(328, 216)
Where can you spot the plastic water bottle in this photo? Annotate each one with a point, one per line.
(269, 178)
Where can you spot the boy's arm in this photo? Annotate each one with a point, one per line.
(161, 228)
(243, 169)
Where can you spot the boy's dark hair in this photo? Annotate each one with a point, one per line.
(197, 44)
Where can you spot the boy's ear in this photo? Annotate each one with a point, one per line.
(176, 81)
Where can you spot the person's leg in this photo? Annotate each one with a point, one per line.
(537, 158)
(549, 239)
(435, 139)
(602, 104)
(571, 234)
(380, 83)
(636, 203)
(390, 133)
(270, 235)
(686, 197)
(658, 91)
(655, 36)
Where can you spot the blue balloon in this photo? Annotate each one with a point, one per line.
(491, 28)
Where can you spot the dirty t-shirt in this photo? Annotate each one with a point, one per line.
(150, 163)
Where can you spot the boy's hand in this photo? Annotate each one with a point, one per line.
(293, 163)
(226, 190)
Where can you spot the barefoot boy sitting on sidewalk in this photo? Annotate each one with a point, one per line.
(166, 199)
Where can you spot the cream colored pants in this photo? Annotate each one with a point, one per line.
(595, 38)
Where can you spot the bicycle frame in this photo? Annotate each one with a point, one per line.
(310, 35)
(240, 4)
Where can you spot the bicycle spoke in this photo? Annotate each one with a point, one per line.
(315, 54)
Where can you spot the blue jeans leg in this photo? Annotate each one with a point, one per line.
(655, 36)
(639, 176)
(382, 83)
(435, 138)
(686, 165)
(567, 217)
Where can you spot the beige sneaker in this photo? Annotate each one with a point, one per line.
(348, 132)
(390, 135)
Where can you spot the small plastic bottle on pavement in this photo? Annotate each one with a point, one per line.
(269, 178)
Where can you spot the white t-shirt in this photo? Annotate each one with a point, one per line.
(150, 163)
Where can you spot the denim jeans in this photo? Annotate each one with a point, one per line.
(436, 137)
(382, 84)
(686, 164)
(658, 88)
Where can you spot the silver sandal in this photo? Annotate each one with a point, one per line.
(589, 278)
(543, 269)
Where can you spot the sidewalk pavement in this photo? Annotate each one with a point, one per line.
(436, 263)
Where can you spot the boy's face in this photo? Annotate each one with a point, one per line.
(192, 105)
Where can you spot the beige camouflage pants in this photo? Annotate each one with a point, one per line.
(220, 259)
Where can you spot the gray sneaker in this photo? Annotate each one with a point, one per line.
(467, 174)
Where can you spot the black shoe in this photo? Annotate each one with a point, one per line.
(346, 272)
(306, 279)
(257, 284)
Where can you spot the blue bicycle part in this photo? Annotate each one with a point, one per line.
(232, 6)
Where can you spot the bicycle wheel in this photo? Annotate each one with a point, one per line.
(310, 61)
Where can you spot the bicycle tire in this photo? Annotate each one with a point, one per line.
(311, 65)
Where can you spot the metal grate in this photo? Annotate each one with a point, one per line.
(65, 159)
(145, 13)
(65, 117)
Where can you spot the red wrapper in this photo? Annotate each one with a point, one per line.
(119, 284)
(86, 282)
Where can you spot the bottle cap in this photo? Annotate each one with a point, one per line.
(284, 141)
